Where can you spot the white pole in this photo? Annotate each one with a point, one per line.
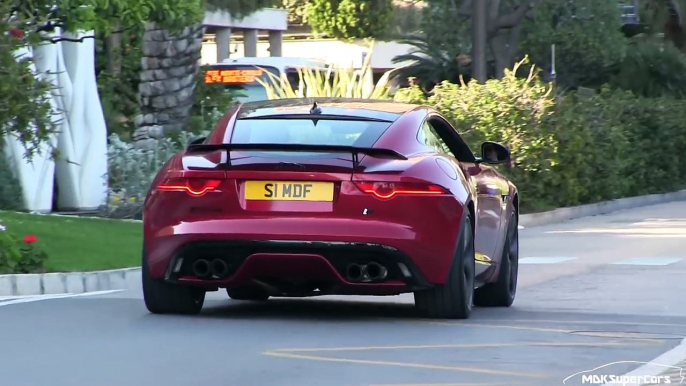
(553, 74)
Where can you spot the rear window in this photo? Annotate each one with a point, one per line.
(305, 131)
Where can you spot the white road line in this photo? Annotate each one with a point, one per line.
(660, 261)
(655, 367)
(38, 298)
(545, 260)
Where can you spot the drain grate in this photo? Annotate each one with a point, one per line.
(628, 335)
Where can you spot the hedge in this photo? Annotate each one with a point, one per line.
(569, 149)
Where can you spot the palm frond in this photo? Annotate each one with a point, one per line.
(336, 81)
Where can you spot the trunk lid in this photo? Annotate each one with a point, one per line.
(290, 178)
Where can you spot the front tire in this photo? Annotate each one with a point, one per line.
(165, 298)
(454, 299)
(502, 292)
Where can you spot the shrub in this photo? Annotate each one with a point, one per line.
(211, 102)
(573, 149)
(20, 256)
(652, 70)
(511, 111)
(131, 171)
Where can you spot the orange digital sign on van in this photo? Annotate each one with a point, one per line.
(232, 76)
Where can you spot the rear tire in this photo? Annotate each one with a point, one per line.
(454, 299)
(165, 298)
(253, 294)
(502, 292)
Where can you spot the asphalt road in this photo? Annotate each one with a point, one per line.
(592, 291)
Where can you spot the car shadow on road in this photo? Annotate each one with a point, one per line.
(310, 309)
(378, 311)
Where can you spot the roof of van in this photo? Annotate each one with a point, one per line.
(364, 108)
(273, 60)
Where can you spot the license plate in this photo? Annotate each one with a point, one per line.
(288, 191)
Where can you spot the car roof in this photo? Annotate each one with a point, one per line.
(360, 108)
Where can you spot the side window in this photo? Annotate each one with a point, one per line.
(429, 137)
(293, 78)
(459, 149)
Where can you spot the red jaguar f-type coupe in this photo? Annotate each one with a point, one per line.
(323, 196)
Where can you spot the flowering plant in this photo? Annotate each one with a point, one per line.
(20, 255)
(32, 256)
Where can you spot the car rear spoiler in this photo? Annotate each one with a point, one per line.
(355, 151)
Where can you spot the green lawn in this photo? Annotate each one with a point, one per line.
(80, 244)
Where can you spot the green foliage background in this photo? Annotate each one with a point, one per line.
(350, 19)
(588, 39)
(572, 149)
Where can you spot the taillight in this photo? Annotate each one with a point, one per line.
(193, 186)
(386, 190)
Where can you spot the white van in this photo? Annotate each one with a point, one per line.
(241, 74)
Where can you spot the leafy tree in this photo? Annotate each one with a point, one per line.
(24, 107)
(665, 16)
(406, 19)
(297, 11)
(430, 64)
(350, 19)
(587, 37)
(447, 27)
(503, 29)
(439, 47)
(239, 8)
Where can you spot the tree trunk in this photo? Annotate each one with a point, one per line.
(114, 50)
(170, 65)
(504, 48)
(479, 41)
(486, 16)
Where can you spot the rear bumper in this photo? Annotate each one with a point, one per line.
(294, 263)
(302, 248)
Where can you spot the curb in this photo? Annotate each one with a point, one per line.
(130, 278)
(69, 282)
(600, 208)
(85, 217)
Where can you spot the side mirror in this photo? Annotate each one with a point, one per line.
(198, 141)
(494, 153)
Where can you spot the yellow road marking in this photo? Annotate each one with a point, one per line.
(463, 345)
(403, 364)
(595, 322)
(455, 384)
(500, 326)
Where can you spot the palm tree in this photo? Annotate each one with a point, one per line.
(431, 63)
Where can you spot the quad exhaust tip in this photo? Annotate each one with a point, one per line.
(201, 268)
(219, 268)
(366, 272)
(216, 268)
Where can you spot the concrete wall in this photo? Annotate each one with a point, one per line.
(334, 51)
(267, 19)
